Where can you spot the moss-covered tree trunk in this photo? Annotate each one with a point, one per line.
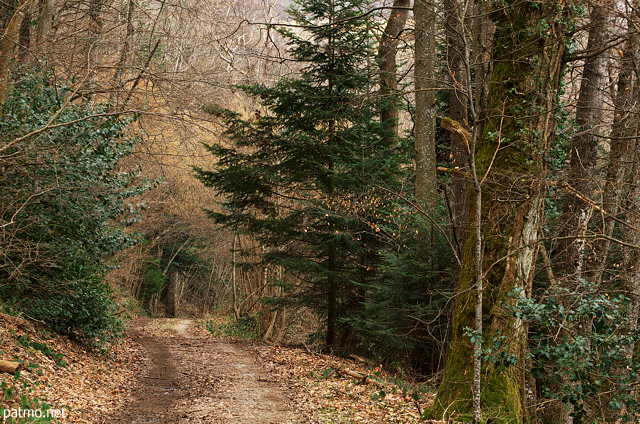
(528, 55)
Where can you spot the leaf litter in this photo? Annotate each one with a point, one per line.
(213, 379)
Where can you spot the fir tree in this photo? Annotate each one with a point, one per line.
(304, 177)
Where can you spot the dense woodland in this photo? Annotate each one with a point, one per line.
(451, 187)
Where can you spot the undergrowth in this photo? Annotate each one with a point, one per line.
(246, 327)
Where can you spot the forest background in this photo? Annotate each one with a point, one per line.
(450, 187)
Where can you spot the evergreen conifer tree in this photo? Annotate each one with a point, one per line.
(304, 177)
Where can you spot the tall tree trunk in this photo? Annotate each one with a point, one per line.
(573, 248)
(332, 300)
(387, 53)
(24, 38)
(623, 136)
(124, 53)
(8, 44)
(631, 256)
(623, 155)
(45, 17)
(571, 261)
(631, 260)
(234, 281)
(425, 117)
(455, 25)
(332, 257)
(526, 75)
(478, 58)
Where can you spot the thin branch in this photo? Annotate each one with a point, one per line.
(23, 205)
(588, 54)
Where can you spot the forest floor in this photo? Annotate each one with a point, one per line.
(175, 371)
(191, 377)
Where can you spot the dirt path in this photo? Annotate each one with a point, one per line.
(192, 378)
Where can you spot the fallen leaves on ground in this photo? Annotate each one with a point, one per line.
(94, 384)
(336, 398)
(91, 383)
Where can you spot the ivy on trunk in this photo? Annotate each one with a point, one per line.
(529, 45)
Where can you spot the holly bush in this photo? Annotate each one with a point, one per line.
(62, 212)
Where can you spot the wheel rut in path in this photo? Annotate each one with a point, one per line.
(191, 377)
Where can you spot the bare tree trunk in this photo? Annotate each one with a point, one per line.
(455, 24)
(623, 137)
(8, 44)
(124, 53)
(332, 300)
(273, 316)
(622, 182)
(425, 117)
(24, 38)
(571, 260)
(631, 257)
(332, 254)
(282, 328)
(387, 52)
(45, 18)
(236, 310)
(478, 58)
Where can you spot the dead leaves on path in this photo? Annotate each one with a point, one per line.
(320, 388)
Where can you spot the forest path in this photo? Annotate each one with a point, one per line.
(190, 377)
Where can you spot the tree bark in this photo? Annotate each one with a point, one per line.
(24, 38)
(455, 24)
(623, 137)
(234, 281)
(45, 18)
(425, 118)
(124, 53)
(574, 253)
(8, 44)
(332, 300)
(631, 257)
(387, 53)
(527, 69)
(171, 299)
(571, 261)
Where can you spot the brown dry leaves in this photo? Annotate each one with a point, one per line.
(324, 393)
(91, 385)
(95, 385)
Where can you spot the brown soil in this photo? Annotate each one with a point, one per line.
(189, 377)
